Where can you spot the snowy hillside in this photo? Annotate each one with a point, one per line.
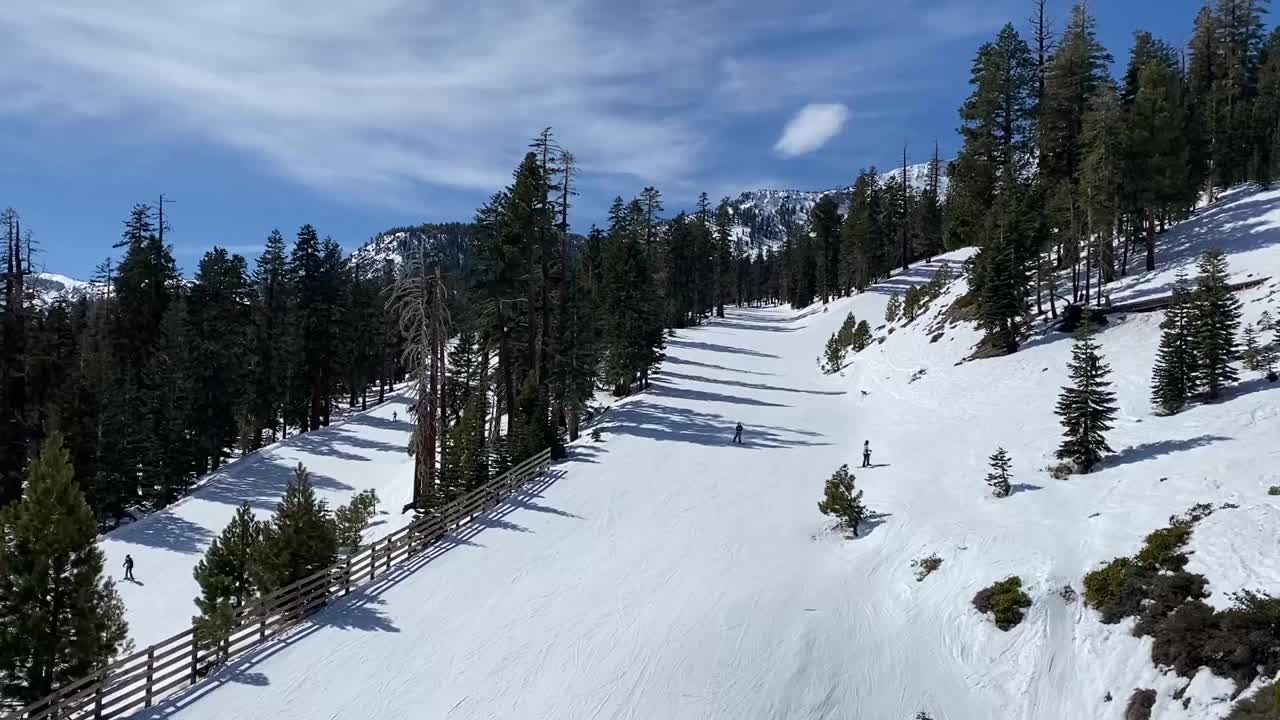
(759, 213)
(665, 573)
(365, 452)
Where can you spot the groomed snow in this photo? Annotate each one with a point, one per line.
(365, 452)
(665, 573)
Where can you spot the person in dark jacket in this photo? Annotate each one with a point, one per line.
(866, 453)
(128, 567)
(737, 434)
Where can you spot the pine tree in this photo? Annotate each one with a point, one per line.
(220, 334)
(1215, 320)
(60, 618)
(268, 383)
(169, 457)
(299, 540)
(861, 336)
(843, 501)
(1087, 407)
(893, 309)
(1249, 358)
(1174, 375)
(1267, 352)
(228, 577)
(998, 477)
(833, 355)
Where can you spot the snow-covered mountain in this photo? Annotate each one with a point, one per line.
(761, 215)
(48, 286)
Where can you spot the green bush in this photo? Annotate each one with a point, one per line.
(351, 519)
(1112, 590)
(1005, 600)
(1274, 490)
(1163, 548)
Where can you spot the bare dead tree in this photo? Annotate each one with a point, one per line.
(418, 300)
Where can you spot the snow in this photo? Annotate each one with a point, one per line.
(665, 573)
(365, 452)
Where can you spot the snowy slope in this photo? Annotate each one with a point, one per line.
(366, 451)
(665, 573)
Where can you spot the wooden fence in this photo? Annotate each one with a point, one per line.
(137, 681)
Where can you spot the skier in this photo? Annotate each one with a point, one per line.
(395, 416)
(128, 567)
(866, 453)
(737, 434)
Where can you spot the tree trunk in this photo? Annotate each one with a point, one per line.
(1151, 244)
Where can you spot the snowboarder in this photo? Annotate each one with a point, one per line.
(128, 567)
(737, 434)
(866, 453)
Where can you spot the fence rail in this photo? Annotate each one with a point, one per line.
(137, 681)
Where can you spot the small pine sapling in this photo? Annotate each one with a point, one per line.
(893, 309)
(833, 355)
(842, 500)
(998, 478)
(861, 336)
(1266, 359)
(1250, 355)
(596, 435)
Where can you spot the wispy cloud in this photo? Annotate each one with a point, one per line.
(378, 98)
(811, 128)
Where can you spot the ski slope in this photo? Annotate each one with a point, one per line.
(665, 573)
(365, 451)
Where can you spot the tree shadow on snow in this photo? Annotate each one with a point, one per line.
(754, 326)
(166, 531)
(713, 347)
(261, 483)
(1152, 450)
(917, 277)
(870, 523)
(665, 390)
(751, 386)
(695, 363)
(1016, 488)
(647, 419)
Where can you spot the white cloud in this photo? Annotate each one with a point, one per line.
(811, 128)
(382, 99)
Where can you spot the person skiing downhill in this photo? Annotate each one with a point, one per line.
(737, 434)
(395, 416)
(866, 453)
(128, 567)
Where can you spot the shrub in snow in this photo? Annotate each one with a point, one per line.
(1061, 471)
(1163, 593)
(1067, 593)
(925, 566)
(1162, 549)
(842, 500)
(1140, 704)
(1262, 705)
(1274, 490)
(998, 478)
(1113, 591)
(1005, 600)
(595, 435)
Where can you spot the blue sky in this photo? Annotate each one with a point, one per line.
(358, 115)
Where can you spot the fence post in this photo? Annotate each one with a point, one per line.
(97, 696)
(151, 668)
(373, 560)
(195, 659)
(390, 547)
(346, 577)
(262, 624)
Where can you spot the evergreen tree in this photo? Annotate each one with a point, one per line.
(220, 319)
(893, 309)
(1174, 375)
(169, 456)
(998, 477)
(1087, 407)
(861, 336)
(843, 501)
(269, 369)
(227, 577)
(1215, 321)
(833, 355)
(299, 540)
(60, 619)
(1249, 358)
(1267, 352)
